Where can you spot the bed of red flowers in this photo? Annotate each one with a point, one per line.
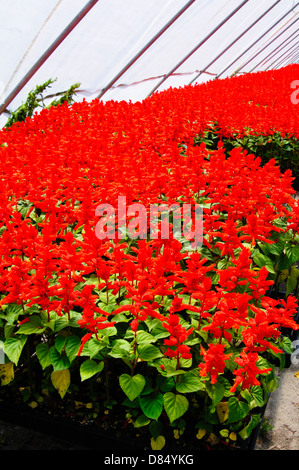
(167, 342)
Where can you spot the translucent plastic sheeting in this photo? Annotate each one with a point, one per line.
(130, 49)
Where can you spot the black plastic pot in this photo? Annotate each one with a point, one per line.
(66, 430)
(94, 439)
(250, 443)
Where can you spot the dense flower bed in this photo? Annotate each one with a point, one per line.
(185, 338)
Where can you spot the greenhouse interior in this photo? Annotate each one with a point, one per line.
(149, 229)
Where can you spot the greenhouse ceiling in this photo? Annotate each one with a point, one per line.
(127, 50)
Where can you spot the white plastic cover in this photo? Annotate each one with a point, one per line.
(210, 38)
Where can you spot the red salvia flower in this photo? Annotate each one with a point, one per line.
(178, 335)
(213, 361)
(246, 374)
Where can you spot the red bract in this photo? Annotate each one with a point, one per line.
(87, 301)
(246, 375)
(281, 312)
(178, 335)
(213, 361)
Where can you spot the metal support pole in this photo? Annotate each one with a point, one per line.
(280, 47)
(255, 42)
(267, 45)
(292, 60)
(231, 44)
(282, 62)
(283, 55)
(197, 47)
(47, 54)
(144, 49)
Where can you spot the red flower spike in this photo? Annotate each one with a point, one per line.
(213, 361)
(246, 375)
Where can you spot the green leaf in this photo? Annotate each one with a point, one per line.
(6, 373)
(226, 385)
(237, 410)
(159, 332)
(274, 248)
(165, 384)
(291, 284)
(169, 368)
(175, 405)
(148, 387)
(43, 355)
(33, 326)
(286, 344)
(132, 386)
(12, 313)
(284, 262)
(272, 385)
(148, 352)
(155, 428)
(292, 252)
(247, 395)
(60, 342)
(247, 430)
(61, 380)
(72, 347)
(142, 420)
(216, 392)
(110, 331)
(294, 272)
(13, 348)
(141, 336)
(145, 337)
(189, 382)
(262, 260)
(92, 347)
(257, 394)
(121, 349)
(89, 368)
(61, 323)
(58, 361)
(186, 363)
(158, 444)
(152, 405)
(75, 316)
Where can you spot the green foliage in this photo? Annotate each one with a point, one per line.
(132, 386)
(35, 99)
(283, 148)
(175, 405)
(266, 426)
(281, 259)
(89, 368)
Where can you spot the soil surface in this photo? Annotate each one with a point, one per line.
(279, 430)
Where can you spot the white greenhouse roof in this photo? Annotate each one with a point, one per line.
(128, 49)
